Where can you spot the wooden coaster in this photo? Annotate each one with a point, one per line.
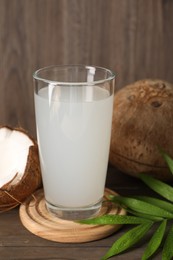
(35, 217)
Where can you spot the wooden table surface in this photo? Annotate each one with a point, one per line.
(18, 244)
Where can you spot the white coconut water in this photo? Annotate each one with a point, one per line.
(73, 129)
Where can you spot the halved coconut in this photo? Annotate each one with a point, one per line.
(20, 172)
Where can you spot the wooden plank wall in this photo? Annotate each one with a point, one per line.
(132, 37)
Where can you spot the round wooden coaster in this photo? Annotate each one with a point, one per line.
(35, 217)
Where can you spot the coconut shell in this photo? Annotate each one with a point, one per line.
(143, 122)
(11, 194)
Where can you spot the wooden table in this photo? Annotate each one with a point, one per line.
(18, 244)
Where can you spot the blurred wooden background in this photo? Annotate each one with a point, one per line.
(132, 37)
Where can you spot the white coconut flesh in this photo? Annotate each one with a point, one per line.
(14, 150)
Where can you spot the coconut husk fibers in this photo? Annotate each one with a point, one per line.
(142, 122)
(13, 195)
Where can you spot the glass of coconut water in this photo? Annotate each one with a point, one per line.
(73, 106)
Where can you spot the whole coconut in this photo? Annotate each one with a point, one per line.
(143, 122)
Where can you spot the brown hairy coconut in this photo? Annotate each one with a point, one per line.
(142, 122)
(19, 167)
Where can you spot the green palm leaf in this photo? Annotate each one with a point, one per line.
(155, 241)
(114, 219)
(127, 240)
(157, 202)
(158, 186)
(168, 160)
(167, 253)
(142, 207)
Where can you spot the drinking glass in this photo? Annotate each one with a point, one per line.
(73, 107)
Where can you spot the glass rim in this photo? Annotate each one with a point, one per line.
(68, 83)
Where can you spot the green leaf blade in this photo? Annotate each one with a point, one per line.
(145, 216)
(127, 240)
(114, 219)
(168, 160)
(157, 202)
(158, 186)
(142, 207)
(155, 241)
(167, 252)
